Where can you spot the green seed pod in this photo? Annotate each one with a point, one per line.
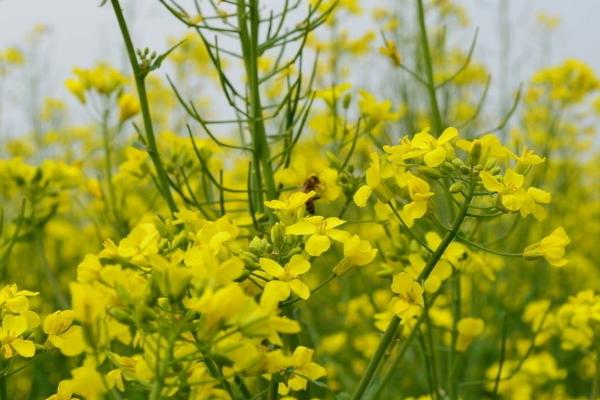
(495, 170)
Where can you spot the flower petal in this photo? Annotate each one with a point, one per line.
(272, 267)
(317, 245)
(300, 288)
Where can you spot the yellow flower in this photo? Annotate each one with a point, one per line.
(376, 111)
(286, 278)
(491, 148)
(302, 369)
(513, 196)
(12, 55)
(292, 203)
(88, 304)
(62, 334)
(374, 176)
(357, 252)
(318, 230)
(419, 192)
(12, 327)
(86, 381)
(409, 302)
(552, 248)
(468, 329)
(129, 106)
(15, 300)
(433, 151)
(77, 88)
(333, 94)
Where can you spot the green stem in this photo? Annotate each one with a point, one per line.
(395, 322)
(111, 203)
(140, 83)
(435, 108)
(3, 391)
(365, 381)
(273, 391)
(431, 352)
(248, 14)
(595, 393)
(452, 384)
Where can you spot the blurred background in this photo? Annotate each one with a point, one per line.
(61, 34)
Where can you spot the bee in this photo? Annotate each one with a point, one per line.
(312, 183)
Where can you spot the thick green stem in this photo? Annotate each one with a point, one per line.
(140, 83)
(435, 108)
(3, 391)
(386, 340)
(248, 20)
(453, 359)
(392, 329)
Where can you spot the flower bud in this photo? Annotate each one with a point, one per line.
(277, 235)
(456, 187)
(475, 153)
(458, 163)
(428, 172)
(121, 315)
(346, 101)
(383, 193)
(490, 163)
(258, 245)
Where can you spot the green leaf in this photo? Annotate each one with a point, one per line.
(159, 60)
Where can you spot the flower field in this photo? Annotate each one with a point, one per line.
(280, 204)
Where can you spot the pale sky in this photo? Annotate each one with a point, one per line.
(82, 33)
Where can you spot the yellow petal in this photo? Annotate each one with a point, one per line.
(435, 157)
(362, 196)
(490, 183)
(448, 134)
(74, 342)
(539, 195)
(300, 288)
(317, 245)
(274, 292)
(514, 179)
(298, 265)
(301, 228)
(25, 348)
(271, 267)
